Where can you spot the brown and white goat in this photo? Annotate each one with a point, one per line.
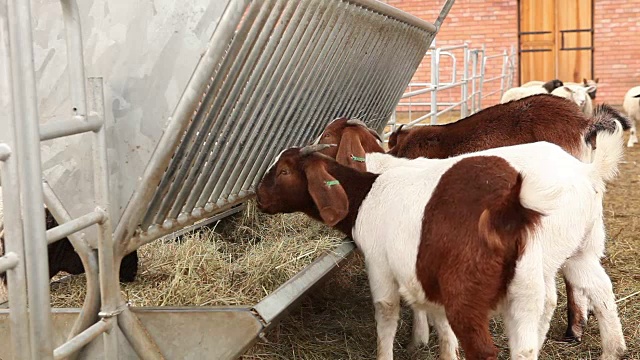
(472, 237)
(535, 118)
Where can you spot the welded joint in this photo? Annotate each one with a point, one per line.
(104, 216)
(95, 119)
(108, 315)
(5, 152)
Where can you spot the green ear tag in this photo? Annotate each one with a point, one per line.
(330, 183)
(358, 159)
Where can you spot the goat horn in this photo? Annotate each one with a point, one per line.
(356, 122)
(310, 149)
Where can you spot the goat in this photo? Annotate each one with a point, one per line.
(529, 89)
(500, 253)
(587, 84)
(537, 118)
(578, 94)
(62, 257)
(631, 106)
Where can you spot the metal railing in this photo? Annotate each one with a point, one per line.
(472, 83)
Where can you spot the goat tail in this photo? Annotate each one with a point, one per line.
(516, 214)
(608, 154)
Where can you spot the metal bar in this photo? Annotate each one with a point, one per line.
(242, 66)
(204, 123)
(107, 262)
(443, 14)
(452, 47)
(483, 68)
(504, 72)
(464, 91)
(171, 137)
(274, 305)
(576, 30)
(435, 80)
(75, 58)
(534, 32)
(9, 261)
(270, 38)
(291, 58)
(226, 162)
(74, 345)
(156, 232)
(309, 72)
(534, 50)
(382, 8)
(89, 312)
(68, 228)
(5, 152)
(29, 174)
(577, 48)
(138, 336)
(77, 125)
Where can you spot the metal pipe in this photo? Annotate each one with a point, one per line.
(68, 228)
(5, 152)
(435, 81)
(270, 37)
(9, 261)
(76, 343)
(390, 11)
(76, 125)
(443, 14)
(175, 129)
(301, 70)
(108, 274)
(75, 57)
(28, 146)
(291, 55)
(225, 160)
(138, 336)
(464, 109)
(224, 100)
(89, 312)
(205, 123)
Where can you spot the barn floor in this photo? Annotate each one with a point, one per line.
(336, 321)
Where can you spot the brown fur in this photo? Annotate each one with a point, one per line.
(353, 141)
(527, 120)
(298, 183)
(468, 265)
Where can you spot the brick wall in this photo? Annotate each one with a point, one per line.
(617, 48)
(493, 23)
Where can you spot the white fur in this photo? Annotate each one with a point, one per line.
(516, 93)
(631, 106)
(567, 190)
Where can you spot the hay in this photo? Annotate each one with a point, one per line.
(238, 262)
(337, 321)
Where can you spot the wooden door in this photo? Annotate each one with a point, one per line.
(555, 40)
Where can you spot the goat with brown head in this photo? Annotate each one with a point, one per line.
(354, 139)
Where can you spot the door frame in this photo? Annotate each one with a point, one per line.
(593, 45)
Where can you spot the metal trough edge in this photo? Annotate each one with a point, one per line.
(274, 306)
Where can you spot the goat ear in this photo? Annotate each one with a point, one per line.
(596, 80)
(591, 88)
(584, 81)
(568, 89)
(327, 193)
(350, 151)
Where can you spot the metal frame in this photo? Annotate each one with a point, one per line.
(258, 74)
(472, 83)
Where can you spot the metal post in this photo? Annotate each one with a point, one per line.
(75, 59)
(28, 149)
(16, 278)
(464, 108)
(505, 61)
(109, 285)
(474, 74)
(483, 67)
(435, 82)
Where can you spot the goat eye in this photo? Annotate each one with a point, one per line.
(327, 135)
(284, 172)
